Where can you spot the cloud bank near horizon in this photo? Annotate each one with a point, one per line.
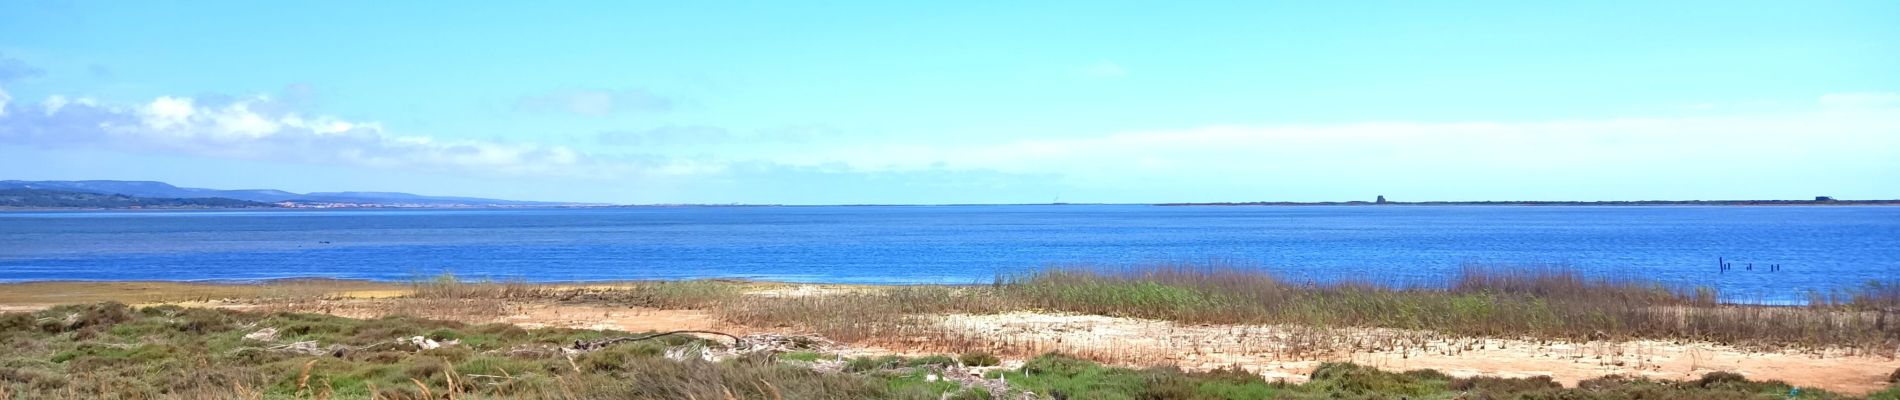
(1853, 129)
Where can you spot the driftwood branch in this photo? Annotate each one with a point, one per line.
(603, 343)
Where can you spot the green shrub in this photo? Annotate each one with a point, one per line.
(979, 359)
(933, 361)
(865, 364)
(806, 356)
(199, 321)
(1718, 378)
(1339, 377)
(1427, 374)
(1487, 384)
(18, 322)
(1061, 376)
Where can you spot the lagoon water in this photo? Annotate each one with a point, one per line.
(1819, 248)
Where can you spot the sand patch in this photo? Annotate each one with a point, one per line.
(523, 314)
(1290, 353)
(803, 291)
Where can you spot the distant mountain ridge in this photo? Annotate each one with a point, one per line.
(45, 198)
(154, 189)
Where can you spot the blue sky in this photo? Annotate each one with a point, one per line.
(983, 102)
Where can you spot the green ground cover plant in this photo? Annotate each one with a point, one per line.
(114, 351)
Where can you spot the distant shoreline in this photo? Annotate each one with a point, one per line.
(1560, 203)
(1617, 203)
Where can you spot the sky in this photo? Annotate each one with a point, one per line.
(962, 102)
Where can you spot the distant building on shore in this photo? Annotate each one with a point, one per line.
(1381, 200)
(1823, 198)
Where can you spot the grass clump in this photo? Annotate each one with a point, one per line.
(1356, 380)
(804, 356)
(1064, 377)
(175, 353)
(985, 359)
(1476, 302)
(939, 361)
(868, 363)
(178, 353)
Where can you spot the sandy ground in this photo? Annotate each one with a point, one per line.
(1276, 351)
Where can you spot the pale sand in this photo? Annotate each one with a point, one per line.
(1274, 351)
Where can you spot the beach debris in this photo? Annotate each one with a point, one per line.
(786, 343)
(303, 347)
(423, 343)
(972, 378)
(310, 347)
(262, 335)
(769, 344)
(690, 351)
(592, 345)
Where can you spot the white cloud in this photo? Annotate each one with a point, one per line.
(259, 128)
(1755, 142)
(167, 112)
(1852, 131)
(4, 99)
(1104, 70)
(51, 105)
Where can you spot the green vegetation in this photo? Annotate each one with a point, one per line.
(1554, 304)
(41, 198)
(979, 359)
(1479, 302)
(111, 350)
(114, 351)
(1059, 376)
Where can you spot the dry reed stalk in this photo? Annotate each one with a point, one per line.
(245, 391)
(426, 393)
(772, 390)
(566, 392)
(303, 379)
(448, 374)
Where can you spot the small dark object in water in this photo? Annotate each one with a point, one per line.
(323, 242)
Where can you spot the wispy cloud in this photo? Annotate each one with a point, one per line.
(1848, 130)
(1709, 145)
(664, 135)
(261, 128)
(12, 69)
(595, 102)
(682, 135)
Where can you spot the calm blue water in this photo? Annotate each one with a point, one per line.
(1818, 247)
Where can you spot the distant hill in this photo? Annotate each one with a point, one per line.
(151, 189)
(43, 198)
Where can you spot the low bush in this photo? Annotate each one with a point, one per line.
(985, 359)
